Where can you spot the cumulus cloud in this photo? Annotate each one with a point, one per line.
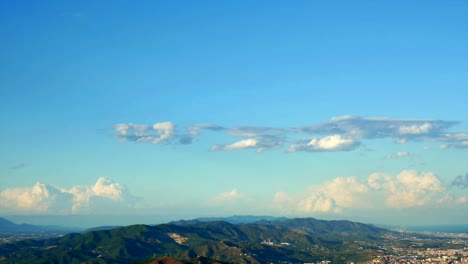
(443, 146)
(318, 203)
(328, 143)
(104, 193)
(461, 181)
(335, 195)
(164, 131)
(407, 189)
(39, 198)
(104, 196)
(400, 154)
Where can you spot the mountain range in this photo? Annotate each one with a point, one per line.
(294, 240)
(8, 227)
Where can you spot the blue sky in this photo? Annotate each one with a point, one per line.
(303, 108)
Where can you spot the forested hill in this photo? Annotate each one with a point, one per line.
(259, 242)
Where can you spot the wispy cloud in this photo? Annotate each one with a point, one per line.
(342, 133)
(195, 130)
(259, 143)
(400, 154)
(461, 181)
(381, 127)
(18, 166)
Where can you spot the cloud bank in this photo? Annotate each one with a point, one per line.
(103, 197)
(343, 133)
(407, 189)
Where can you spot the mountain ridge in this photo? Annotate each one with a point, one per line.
(8, 227)
(259, 242)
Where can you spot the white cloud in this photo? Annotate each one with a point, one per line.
(427, 148)
(157, 133)
(230, 196)
(402, 130)
(260, 144)
(400, 154)
(328, 143)
(40, 198)
(104, 196)
(336, 195)
(195, 129)
(246, 143)
(165, 131)
(407, 189)
(415, 129)
(342, 133)
(105, 191)
(318, 203)
(347, 192)
(443, 146)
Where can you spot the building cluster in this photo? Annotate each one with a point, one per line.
(428, 256)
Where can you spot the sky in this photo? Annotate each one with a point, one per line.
(143, 110)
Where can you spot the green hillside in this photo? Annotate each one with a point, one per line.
(295, 240)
